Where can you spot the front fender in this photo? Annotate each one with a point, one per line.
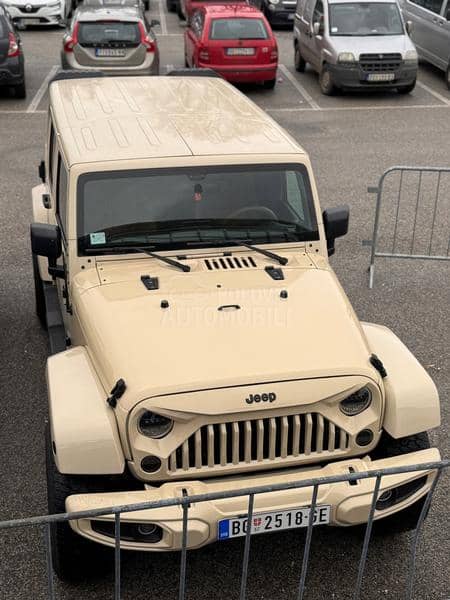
(412, 400)
(83, 427)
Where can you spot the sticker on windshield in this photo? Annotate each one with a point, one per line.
(97, 238)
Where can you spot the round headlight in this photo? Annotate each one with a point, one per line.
(357, 402)
(153, 425)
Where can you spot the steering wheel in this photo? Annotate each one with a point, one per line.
(251, 212)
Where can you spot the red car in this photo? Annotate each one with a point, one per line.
(234, 40)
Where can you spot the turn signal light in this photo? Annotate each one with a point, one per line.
(274, 54)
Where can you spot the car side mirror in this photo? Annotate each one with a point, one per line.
(409, 27)
(41, 171)
(317, 28)
(46, 241)
(335, 222)
(154, 23)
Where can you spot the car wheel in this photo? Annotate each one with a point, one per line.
(39, 297)
(74, 557)
(180, 13)
(447, 76)
(406, 89)
(147, 4)
(20, 91)
(327, 86)
(171, 6)
(186, 64)
(269, 84)
(406, 519)
(299, 61)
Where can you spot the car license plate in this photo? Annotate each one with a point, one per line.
(273, 521)
(240, 51)
(32, 21)
(381, 77)
(109, 52)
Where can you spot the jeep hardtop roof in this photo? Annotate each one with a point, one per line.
(125, 118)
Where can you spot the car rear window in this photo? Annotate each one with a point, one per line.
(105, 32)
(238, 29)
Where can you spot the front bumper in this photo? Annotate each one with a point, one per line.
(277, 15)
(350, 504)
(354, 77)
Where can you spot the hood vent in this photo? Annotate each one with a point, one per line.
(230, 262)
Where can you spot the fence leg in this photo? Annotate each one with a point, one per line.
(362, 562)
(248, 534)
(301, 587)
(423, 514)
(117, 557)
(48, 553)
(182, 592)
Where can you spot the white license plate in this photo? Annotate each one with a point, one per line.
(32, 21)
(240, 51)
(381, 77)
(109, 52)
(273, 521)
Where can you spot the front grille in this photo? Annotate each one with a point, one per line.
(230, 262)
(380, 63)
(242, 443)
(31, 10)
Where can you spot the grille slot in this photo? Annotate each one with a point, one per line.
(230, 262)
(241, 443)
(380, 63)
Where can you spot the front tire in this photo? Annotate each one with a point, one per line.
(299, 61)
(407, 89)
(171, 6)
(327, 86)
(20, 91)
(269, 84)
(406, 519)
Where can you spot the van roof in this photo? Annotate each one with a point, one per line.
(115, 118)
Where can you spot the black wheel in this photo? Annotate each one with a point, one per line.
(20, 91)
(327, 86)
(74, 557)
(447, 76)
(180, 13)
(299, 61)
(147, 4)
(186, 64)
(171, 6)
(406, 89)
(39, 294)
(406, 519)
(269, 84)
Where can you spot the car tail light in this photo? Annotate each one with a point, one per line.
(14, 49)
(203, 54)
(71, 40)
(274, 54)
(145, 40)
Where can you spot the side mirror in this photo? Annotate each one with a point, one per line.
(46, 241)
(154, 22)
(41, 171)
(409, 27)
(335, 222)
(317, 29)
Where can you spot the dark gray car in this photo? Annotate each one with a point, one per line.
(12, 64)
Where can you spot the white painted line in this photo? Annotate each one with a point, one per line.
(343, 108)
(160, 35)
(22, 112)
(434, 93)
(162, 18)
(32, 107)
(313, 104)
(169, 68)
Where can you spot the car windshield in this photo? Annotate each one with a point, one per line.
(238, 29)
(365, 19)
(104, 32)
(194, 207)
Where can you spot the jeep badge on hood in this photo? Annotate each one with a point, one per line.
(270, 397)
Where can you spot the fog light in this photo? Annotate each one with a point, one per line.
(385, 500)
(130, 532)
(150, 464)
(147, 528)
(364, 437)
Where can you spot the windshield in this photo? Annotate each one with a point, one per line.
(194, 207)
(238, 29)
(365, 19)
(99, 32)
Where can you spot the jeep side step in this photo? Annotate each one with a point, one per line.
(55, 323)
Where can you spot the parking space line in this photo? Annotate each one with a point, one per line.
(313, 104)
(22, 112)
(162, 18)
(343, 108)
(433, 93)
(32, 107)
(169, 68)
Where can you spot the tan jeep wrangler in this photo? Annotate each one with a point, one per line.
(200, 339)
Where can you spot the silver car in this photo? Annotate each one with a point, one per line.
(354, 45)
(430, 31)
(116, 40)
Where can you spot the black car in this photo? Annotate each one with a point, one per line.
(279, 12)
(12, 64)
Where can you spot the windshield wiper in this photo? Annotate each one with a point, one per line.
(123, 249)
(282, 260)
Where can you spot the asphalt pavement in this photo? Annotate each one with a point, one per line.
(352, 139)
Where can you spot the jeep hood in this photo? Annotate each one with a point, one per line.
(218, 330)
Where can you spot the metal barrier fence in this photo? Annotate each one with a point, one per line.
(186, 501)
(412, 215)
